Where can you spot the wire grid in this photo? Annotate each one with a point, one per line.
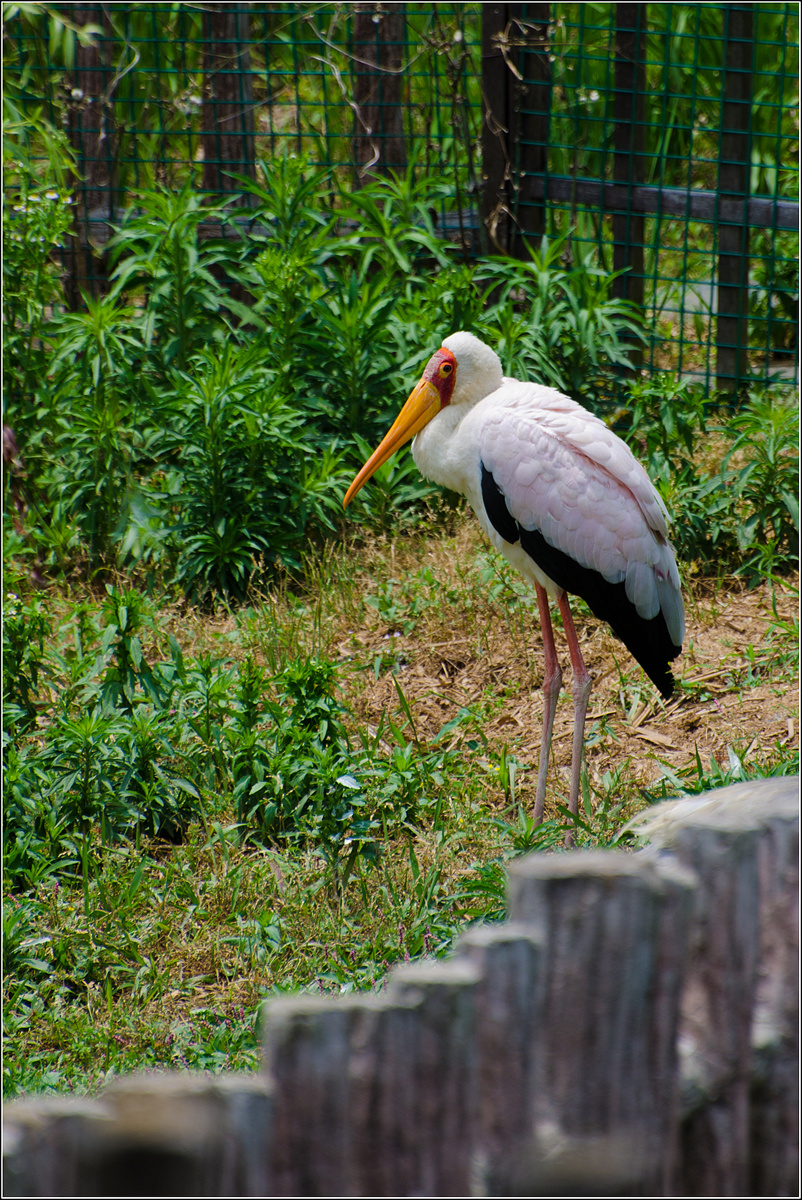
(295, 70)
(296, 65)
(683, 125)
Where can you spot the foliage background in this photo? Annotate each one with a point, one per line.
(221, 778)
(298, 74)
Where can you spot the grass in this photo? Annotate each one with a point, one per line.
(145, 951)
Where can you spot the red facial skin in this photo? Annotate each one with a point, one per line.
(441, 370)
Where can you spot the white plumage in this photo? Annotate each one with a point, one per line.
(561, 470)
(561, 497)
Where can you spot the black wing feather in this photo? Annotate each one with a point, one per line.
(648, 641)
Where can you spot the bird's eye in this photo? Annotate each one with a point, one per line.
(446, 369)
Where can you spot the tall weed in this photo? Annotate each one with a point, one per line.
(767, 485)
(159, 254)
(556, 323)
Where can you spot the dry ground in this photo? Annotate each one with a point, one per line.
(446, 619)
(470, 638)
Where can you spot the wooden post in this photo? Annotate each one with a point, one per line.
(774, 1095)
(508, 1024)
(531, 122)
(615, 936)
(446, 1110)
(306, 1057)
(228, 106)
(43, 1141)
(378, 48)
(172, 1134)
(376, 1095)
(92, 135)
(741, 983)
(383, 1119)
(629, 159)
(497, 125)
(732, 329)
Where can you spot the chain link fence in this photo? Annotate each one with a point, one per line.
(663, 137)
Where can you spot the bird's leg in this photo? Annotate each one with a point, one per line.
(582, 683)
(552, 682)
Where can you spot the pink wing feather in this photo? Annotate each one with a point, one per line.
(564, 473)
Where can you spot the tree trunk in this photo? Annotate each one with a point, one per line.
(629, 160)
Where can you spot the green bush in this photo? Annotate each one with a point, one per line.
(744, 518)
(172, 425)
(557, 324)
(36, 218)
(25, 628)
(767, 486)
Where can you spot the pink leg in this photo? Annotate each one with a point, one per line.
(552, 682)
(582, 683)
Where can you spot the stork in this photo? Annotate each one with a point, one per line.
(563, 499)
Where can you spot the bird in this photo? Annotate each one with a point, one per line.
(564, 500)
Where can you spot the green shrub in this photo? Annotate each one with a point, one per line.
(159, 254)
(766, 488)
(25, 628)
(36, 218)
(253, 479)
(95, 428)
(557, 324)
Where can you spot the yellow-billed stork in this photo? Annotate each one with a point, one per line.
(563, 499)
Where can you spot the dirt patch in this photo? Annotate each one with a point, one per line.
(736, 680)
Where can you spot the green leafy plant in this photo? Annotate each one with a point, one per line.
(664, 422)
(37, 216)
(23, 938)
(774, 293)
(354, 317)
(159, 251)
(95, 438)
(25, 629)
(767, 434)
(249, 486)
(128, 678)
(395, 216)
(558, 324)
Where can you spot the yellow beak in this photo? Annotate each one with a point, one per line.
(423, 404)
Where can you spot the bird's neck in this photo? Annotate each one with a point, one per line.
(437, 449)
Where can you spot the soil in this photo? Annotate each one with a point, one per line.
(736, 680)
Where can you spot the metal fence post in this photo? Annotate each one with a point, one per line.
(629, 160)
(732, 327)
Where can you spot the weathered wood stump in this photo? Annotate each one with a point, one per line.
(171, 1134)
(43, 1141)
(508, 1002)
(446, 1080)
(344, 1070)
(376, 1094)
(739, 1130)
(615, 929)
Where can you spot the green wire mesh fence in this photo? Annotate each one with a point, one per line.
(664, 137)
